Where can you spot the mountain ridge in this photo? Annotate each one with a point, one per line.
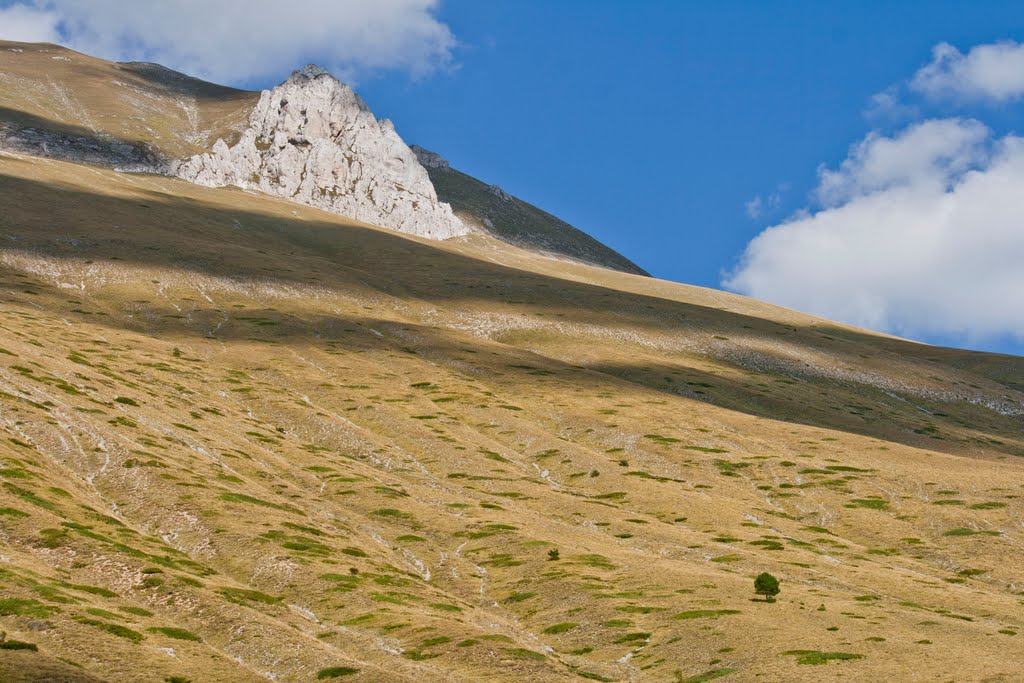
(510, 219)
(378, 180)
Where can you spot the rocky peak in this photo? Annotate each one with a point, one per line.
(314, 140)
(429, 159)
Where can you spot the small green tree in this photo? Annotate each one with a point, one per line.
(767, 585)
(553, 554)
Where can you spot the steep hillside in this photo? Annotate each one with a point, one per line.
(61, 103)
(243, 439)
(489, 208)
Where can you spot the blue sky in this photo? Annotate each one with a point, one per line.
(656, 126)
(652, 124)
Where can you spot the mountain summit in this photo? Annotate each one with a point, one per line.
(314, 140)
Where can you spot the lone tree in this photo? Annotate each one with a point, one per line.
(767, 585)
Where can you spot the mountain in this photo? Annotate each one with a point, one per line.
(310, 139)
(246, 439)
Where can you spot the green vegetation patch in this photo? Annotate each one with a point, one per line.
(336, 672)
(560, 628)
(524, 653)
(708, 675)
(113, 629)
(24, 608)
(589, 675)
(869, 503)
(970, 532)
(658, 438)
(176, 633)
(242, 596)
(705, 613)
(815, 657)
(595, 560)
(29, 497)
(445, 607)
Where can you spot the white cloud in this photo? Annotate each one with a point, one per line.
(235, 41)
(930, 152)
(888, 106)
(759, 206)
(754, 208)
(924, 239)
(28, 24)
(994, 72)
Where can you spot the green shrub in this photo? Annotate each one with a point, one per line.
(767, 585)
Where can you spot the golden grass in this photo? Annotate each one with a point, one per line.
(53, 88)
(319, 446)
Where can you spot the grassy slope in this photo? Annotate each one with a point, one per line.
(214, 406)
(53, 88)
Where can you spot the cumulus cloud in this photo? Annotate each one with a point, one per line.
(934, 151)
(922, 236)
(237, 41)
(993, 72)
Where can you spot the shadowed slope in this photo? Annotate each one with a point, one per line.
(517, 222)
(875, 385)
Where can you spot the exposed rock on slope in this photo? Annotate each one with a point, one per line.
(85, 147)
(512, 220)
(313, 140)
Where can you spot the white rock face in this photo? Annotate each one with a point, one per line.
(313, 140)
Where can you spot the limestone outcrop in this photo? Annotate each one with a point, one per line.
(315, 141)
